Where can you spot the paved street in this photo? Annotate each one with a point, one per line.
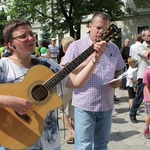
(125, 135)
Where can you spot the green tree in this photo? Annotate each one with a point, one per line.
(45, 36)
(3, 22)
(63, 16)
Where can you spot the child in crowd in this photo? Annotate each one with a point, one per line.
(146, 92)
(131, 80)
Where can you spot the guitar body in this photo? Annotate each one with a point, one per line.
(21, 131)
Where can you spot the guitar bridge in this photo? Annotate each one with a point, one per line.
(24, 117)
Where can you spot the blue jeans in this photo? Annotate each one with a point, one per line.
(92, 129)
(138, 98)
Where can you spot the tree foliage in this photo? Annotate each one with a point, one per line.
(63, 16)
(45, 36)
(3, 22)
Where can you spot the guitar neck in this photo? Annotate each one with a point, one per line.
(110, 32)
(54, 80)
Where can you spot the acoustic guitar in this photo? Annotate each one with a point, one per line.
(22, 131)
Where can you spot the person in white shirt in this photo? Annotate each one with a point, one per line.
(142, 52)
(131, 80)
(133, 48)
(53, 49)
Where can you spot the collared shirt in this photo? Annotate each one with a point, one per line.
(94, 96)
(133, 50)
(142, 61)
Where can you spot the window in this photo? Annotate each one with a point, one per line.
(140, 29)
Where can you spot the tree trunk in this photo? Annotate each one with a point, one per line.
(78, 33)
(72, 32)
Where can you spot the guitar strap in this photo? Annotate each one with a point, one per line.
(37, 62)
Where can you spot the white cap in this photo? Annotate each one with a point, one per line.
(53, 39)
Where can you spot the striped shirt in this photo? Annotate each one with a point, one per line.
(94, 96)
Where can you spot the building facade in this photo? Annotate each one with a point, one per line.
(133, 24)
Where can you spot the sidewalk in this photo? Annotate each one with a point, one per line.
(125, 135)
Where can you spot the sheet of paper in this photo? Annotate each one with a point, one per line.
(120, 77)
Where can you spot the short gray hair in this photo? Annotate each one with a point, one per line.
(143, 32)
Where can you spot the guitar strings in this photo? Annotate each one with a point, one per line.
(48, 87)
(35, 94)
(37, 91)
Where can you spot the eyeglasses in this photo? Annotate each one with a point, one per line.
(25, 36)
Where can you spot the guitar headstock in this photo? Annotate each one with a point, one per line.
(109, 33)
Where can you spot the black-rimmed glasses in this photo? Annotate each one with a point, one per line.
(25, 36)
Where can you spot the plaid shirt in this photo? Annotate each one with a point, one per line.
(94, 96)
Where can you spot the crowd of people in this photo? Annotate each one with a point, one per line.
(136, 57)
(89, 101)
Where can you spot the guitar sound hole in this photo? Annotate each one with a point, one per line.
(39, 93)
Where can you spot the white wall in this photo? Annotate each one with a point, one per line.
(130, 25)
(84, 31)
